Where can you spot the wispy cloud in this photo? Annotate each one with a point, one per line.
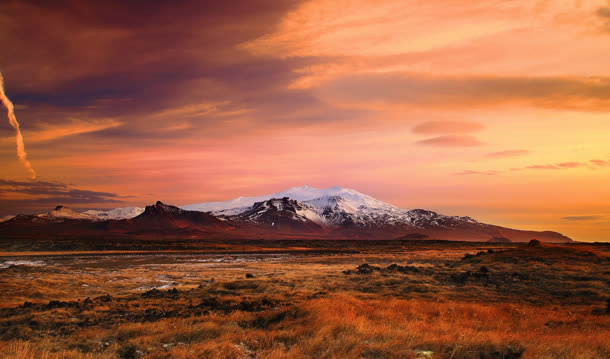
(469, 172)
(447, 127)
(552, 166)
(583, 218)
(552, 92)
(542, 167)
(557, 166)
(452, 141)
(508, 153)
(600, 163)
(49, 132)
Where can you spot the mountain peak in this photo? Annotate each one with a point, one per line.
(161, 208)
(61, 212)
(302, 194)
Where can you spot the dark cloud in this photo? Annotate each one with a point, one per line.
(582, 93)
(508, 153)
(131, 60)
(447, 127)
(452, 141)
(63, 41)
(38, 196)
(582, 218)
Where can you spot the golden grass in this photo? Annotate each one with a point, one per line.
(300, 306)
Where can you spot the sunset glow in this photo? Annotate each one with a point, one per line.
(495, 110)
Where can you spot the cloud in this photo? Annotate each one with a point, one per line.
(50, 131)
(570, 164)
(554, 92)
(557, 166)
(362, 28)
(600, 163)
(582, 218)
(40, 195)
(469, 172)
(542, 167)
(451, 141)
(604, 14)
(447, 127)
(508, 153)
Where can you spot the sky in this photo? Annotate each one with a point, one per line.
(499, 110)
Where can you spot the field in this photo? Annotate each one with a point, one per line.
(318, 299)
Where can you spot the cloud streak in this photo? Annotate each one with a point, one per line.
(469, 172)
(447, 127)
(552, 92)
(507, 153)
(18, 138)
(600, 163)
(555, 166)
(582, 218)
(452, 141)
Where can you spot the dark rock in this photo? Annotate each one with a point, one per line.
(366, 269)
(57, 304)
(104, 298)
(401, 269)
(153, 293)
(128, 351)
(534, 243)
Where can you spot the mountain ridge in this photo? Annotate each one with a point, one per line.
(333, 212)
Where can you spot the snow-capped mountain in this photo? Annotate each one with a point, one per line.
(117, 213)
(333, 207)
(6, 218)
(319, 198)
(299, 212)
(61, 212)
(282, 213)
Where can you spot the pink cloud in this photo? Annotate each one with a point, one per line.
(570, 164)
(601, 163)
(452, 141)
(469, 172)
(445, 127)
(508, 153)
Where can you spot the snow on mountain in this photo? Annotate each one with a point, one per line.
(117, 213)
(276, 208)
(323, 197)
(61, 212)
(334, 206)
(6, 218)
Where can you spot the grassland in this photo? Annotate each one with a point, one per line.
(393, 299)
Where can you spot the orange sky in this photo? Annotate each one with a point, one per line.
(499, 110)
